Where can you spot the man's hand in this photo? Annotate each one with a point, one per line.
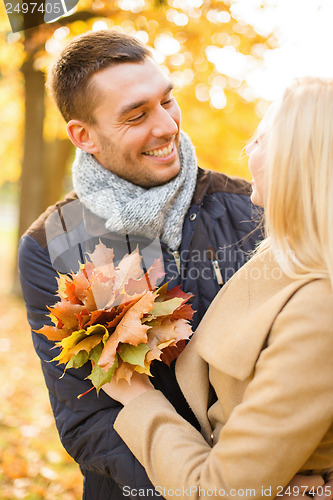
(124, 392)
(325, 492)
(302, 487)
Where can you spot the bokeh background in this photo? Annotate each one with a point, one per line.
(228, 60)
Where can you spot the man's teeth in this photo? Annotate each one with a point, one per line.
(160, 152)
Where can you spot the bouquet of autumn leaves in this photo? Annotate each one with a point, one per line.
(117, 317)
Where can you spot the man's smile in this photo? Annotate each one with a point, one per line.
(160, 152)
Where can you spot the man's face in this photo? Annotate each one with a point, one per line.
(137, 122)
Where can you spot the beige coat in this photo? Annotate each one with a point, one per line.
(266, 346)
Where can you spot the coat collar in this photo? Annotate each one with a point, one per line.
(203, 181)
(234, 330)
(238, 323)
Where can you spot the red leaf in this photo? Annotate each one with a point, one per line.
(101, 316)
(184, 311)
(170, 353)
(165, 294)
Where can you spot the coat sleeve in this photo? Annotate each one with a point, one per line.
(286, 411)
(85, 426)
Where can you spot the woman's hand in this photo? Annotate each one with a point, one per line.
(124, 392)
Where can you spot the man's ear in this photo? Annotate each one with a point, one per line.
(81, 136)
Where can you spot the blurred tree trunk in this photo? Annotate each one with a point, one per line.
(32, 166)
(56, 158)
(44, 164)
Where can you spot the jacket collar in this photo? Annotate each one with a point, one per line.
(234, 330)
(209, 182)
(204, 178)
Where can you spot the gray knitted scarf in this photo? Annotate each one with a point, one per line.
(128, 208)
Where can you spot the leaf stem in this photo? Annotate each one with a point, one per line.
(84, 393)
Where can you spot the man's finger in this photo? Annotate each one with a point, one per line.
(325, 492)
(309, 481)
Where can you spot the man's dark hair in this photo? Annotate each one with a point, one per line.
(69, 79)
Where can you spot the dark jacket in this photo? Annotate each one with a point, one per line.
(219, 232)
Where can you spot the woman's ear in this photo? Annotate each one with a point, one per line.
(81, 136)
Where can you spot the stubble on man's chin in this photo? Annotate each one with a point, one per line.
(148, 183)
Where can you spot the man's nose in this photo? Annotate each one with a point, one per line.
(165, 124)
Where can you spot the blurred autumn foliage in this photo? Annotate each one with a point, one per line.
(33, 464)
(219, 112)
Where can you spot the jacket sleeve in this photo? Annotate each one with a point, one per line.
(285, 413)
(85, 426)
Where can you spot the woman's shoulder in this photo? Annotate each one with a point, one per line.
(317, 293)
(309, 313)
(239, 324)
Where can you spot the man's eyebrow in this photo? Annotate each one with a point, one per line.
(137, 104)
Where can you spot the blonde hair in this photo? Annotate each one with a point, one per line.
(299, 166)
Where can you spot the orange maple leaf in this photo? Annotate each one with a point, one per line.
(54, 333)
(129, 330)
(66, 312)
(118, 317)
